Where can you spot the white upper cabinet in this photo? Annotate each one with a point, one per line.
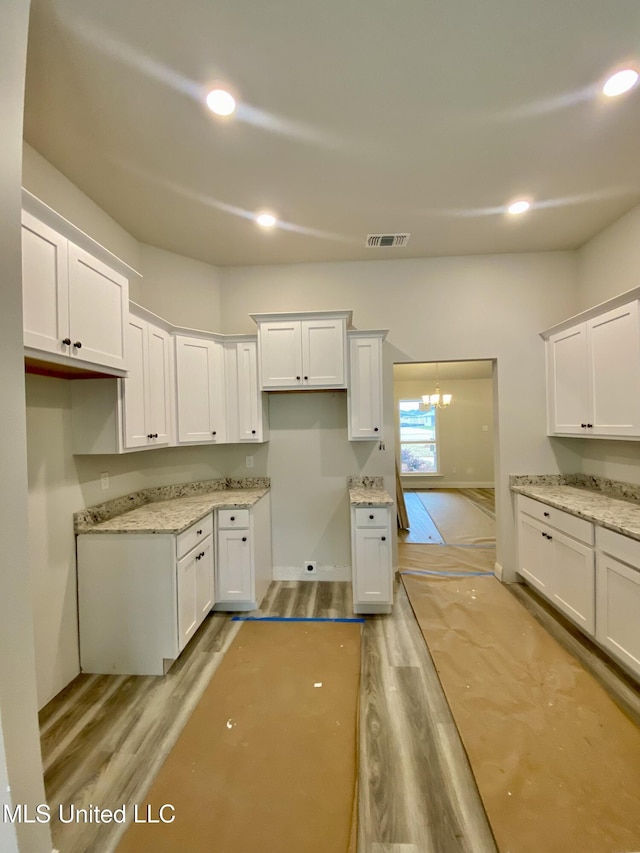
(75, 304)
(593, 373)
(246, 403)
(364, 399)
(302, 350)
(200, 382)
(147, 390)
(136, 413)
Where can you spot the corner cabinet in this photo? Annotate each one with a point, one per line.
(141, 597)
(136, 413)
(304, 350)
(593, 372)
(200, 395)
(75, 296)
(371, 557)
(364, 397)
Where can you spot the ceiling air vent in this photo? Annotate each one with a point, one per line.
(379, 241)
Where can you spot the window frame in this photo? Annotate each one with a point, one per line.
(435, 441)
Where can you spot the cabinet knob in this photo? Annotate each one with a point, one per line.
(199, 532)
(306, 377)
(78, 344)
(589, 426)
(298, 378)
(233, 518)
(546, 514)
(371, 517)
(384, 538)
(214, 432)
(375, 429)
(244, 538)
(66, 341)
(202, 553)
(197, 556)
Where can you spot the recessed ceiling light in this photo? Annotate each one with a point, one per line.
(620, 82)
(266, 220)
(221, 102)
(518, 207)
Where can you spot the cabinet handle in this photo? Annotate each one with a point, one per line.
(214, 432)
(298, 378)
(78, 344)
(384, 538)
(244, 538)
(199, 532)
(375, 429)
(66, 341)
(546, 514)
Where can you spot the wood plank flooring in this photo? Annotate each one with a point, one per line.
(105, 737)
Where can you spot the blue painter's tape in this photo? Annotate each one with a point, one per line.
(449, 574)
(292, 619)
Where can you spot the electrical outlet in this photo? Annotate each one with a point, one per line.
(248, 461)
(309, 567)
(104, 481)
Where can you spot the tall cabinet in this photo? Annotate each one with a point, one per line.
(364, 396)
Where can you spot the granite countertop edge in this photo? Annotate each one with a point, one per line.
(621, 515)
(174, 514)
(369, 497)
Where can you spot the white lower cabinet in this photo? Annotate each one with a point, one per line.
(556, 556)
(618, 597)
(243, 559)
(372, 575)
(141, 597)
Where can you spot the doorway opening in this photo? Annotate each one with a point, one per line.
(445, 450)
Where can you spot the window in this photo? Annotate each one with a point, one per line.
(418, 438)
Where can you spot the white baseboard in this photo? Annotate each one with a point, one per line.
(497, 570)
(322, 573)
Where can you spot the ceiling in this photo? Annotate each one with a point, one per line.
(355, 117)
(447, 370)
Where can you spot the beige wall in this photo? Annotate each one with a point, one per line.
(20, 762)
(465, 449)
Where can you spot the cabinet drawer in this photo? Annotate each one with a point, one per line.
(229, 519)
(372, 517)
(623, 548)
(190, 537)
(579, 528)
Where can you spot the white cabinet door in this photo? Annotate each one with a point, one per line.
(187, 606)
(365, 388)
(45, 287)
(535, 554)
(98, 310)
(573, 588)
(200, 390)
(372, 576)
(281, 353)
(204, 579)
(323, 352)
(614, 370)
(249, 395)
(618, 606)
(234, 575)
(568, 386)
(135, 386)
(159, 384)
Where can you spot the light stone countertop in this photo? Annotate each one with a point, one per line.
(622, 516)
(368, 496)
(177, 514)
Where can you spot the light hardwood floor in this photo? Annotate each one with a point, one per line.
(104, 737)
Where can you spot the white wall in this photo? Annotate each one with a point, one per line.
(443, 309)
(462, 443)
(20, 762)
(609, 264)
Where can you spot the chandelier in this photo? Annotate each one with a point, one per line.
(438, 400)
